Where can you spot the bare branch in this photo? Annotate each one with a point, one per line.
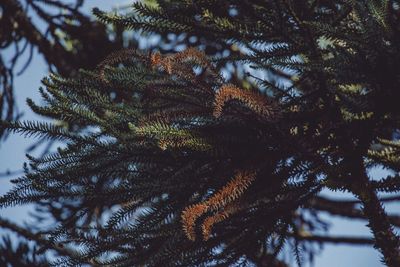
(348, 208)
(335, 239)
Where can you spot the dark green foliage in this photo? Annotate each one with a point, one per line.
(175, 146)
(66, 37)
(21, 255)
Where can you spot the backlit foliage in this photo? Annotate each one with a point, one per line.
(196, 160)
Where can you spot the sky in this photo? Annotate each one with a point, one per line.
(12, 156)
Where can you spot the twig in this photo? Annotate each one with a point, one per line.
(335, 239)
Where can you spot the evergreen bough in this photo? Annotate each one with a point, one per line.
(181, 166)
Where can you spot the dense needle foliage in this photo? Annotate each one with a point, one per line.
(58, 30)
(175, 161)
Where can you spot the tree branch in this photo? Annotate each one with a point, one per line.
(347, 208)
(385, 238)
(92, 36)
(335, 239)
(52, 53)
(39, 239)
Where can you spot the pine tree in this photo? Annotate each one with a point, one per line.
(179, 162)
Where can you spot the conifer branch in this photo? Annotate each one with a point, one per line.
(168, 127)
(220, 199)
(59, 248)
(256, 102)
(219, 216)
(385, 238)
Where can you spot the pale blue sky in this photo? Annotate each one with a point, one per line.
(12, 155)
